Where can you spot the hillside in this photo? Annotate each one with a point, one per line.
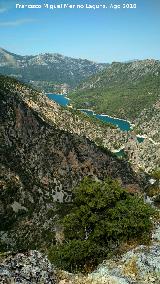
(148, 122)
(42, 160)
(49, 72)
(44, 154)
(123, 90)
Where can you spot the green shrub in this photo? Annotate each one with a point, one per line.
(102, 216)
(76, 255)
(156, 174)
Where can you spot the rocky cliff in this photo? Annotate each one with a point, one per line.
(42, 160)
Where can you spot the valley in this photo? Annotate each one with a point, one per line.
(44, 155)
(49, 72)
(52, 144)
(79, 142)
(65, 101)
(123, 90)
(134, 144)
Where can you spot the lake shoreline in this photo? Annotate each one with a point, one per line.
(98, 116)
(122, 124)
(63, 95)
(106, 115)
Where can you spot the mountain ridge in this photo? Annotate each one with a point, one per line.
(48, 71)
(122, 90)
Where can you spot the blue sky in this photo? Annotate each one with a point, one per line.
(101, 35)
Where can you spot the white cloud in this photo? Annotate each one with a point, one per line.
(16, 23)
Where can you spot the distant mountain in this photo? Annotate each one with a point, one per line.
(123, 89)
(48, 71)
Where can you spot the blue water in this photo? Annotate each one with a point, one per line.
(140, 139)
(60, 99)
(122, 124)
(121, 153)
(63, 101)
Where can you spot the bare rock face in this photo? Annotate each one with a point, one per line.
(41, 163)
(31, 267)
(42, 160)
(140, 265)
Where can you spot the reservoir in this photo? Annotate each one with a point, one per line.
(58, 98)
(122, 124)
(64, 101)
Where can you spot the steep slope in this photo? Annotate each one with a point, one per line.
(42, 160)
(8, 59)
(123, 89)
(148, 122)
(50, 72)
(146, 155)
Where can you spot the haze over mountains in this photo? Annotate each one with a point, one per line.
(48, 71)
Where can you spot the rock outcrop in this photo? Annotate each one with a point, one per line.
(42, 160)
(31, 267)
(43, 157)
(140, 265)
